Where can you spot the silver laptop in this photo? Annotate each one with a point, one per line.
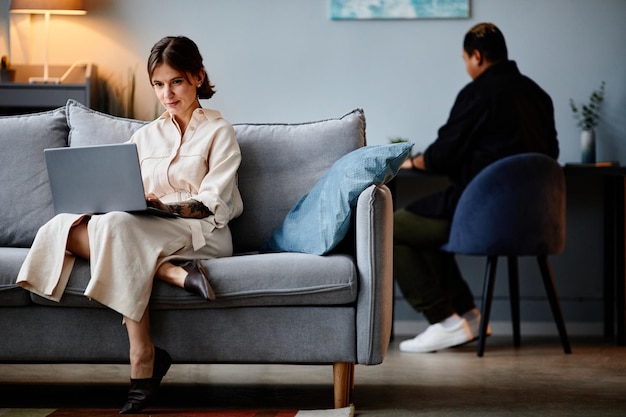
(97, 179)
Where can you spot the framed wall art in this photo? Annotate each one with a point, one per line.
(399, 9)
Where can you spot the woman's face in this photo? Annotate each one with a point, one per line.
(177, 93)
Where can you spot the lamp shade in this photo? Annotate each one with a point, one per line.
(48, 6)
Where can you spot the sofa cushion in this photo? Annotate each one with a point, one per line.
(281, 163)
(11, 260)
(25, 192)
(89, 127)
(246, 280)
(321, 219)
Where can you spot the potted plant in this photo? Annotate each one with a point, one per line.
(397, 139)
(588, 116)
(7, 74)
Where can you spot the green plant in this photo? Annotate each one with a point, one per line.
(130, 98)
(398, 140)
(588, 115)
(4, 63)
(118, 98)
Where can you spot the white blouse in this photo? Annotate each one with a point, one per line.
(202, 164)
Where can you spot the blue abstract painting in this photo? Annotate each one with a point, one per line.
(399, 9)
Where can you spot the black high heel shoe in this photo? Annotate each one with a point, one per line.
(142, 391)
(197, 280)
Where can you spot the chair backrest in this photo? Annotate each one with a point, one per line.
(513, 207)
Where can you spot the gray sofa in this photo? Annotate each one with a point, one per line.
(273, 308)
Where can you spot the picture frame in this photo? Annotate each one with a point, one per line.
(399, 9)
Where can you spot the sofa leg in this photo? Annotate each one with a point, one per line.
(343, 375)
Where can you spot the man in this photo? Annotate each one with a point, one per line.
(500, 113)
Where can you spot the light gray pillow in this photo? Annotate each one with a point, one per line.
(280, 163)
(90, 127)
(24, 190)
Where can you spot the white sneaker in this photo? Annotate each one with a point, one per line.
(437, 337)
(473, 321)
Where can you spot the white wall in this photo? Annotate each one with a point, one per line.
(286, 61)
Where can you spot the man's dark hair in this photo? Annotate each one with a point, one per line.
(488, 40)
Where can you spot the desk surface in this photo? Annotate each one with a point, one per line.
(568, 169)
(584, 169)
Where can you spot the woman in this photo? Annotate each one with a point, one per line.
(189, 160)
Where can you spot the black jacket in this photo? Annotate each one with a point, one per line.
(500, 113)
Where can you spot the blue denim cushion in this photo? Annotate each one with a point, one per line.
(321, 219)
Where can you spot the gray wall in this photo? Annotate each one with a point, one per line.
(286, 61)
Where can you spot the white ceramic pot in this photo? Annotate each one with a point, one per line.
(588, 146)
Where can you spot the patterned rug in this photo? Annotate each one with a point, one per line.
(82, 412)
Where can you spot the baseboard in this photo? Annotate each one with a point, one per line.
(413, 327)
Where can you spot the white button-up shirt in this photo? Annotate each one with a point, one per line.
(202, 164)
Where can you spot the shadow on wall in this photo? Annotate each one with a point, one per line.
(118, 98)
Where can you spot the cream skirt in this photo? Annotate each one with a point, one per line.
(126, 251)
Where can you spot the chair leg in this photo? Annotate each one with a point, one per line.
(548, 282)
(490, 279)
(514, 297)
(343, 376)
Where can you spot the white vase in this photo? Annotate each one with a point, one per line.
(588, 146)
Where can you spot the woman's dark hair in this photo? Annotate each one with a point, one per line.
(488, 40)
(182, 54)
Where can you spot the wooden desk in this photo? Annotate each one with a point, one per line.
(614, 273)
(21, 97)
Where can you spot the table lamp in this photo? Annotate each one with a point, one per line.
(47, 8)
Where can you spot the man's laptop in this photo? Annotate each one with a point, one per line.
(97, 179)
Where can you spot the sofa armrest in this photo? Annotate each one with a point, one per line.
(374, 258)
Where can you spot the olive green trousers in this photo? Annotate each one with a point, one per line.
(429, 278)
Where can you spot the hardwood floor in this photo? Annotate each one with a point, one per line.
(536, 379)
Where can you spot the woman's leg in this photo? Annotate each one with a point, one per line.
(141, 347)
(78, 239)
(172, 274)
(193, 277)
(148, 365)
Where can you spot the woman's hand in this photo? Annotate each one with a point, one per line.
(154, 201)
(191, 208)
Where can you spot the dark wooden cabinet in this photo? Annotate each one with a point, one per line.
(21, 96)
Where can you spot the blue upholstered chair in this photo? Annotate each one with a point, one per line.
(514, 207)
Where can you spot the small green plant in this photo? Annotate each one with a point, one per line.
(588, 115)
(118, 99)
(398, 139)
